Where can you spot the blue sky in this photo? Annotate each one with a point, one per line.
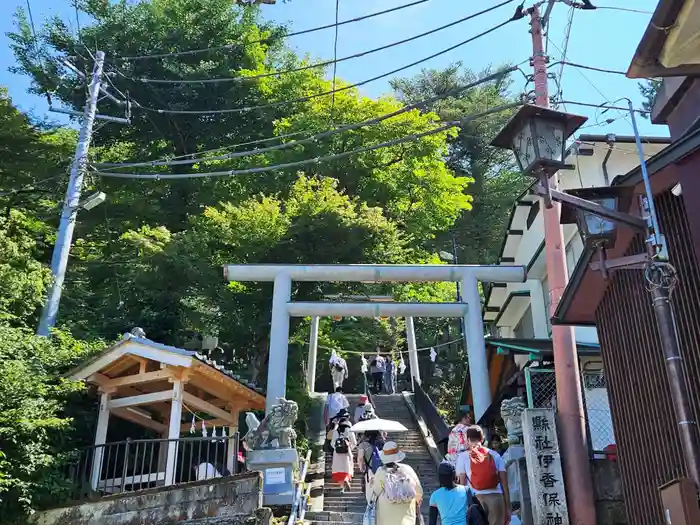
(602, 38)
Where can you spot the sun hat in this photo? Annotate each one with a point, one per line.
(363, 399)
(391, 453)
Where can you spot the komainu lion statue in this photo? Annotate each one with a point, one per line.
(511, 412)
(276, 430)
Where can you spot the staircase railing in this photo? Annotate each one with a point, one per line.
(430, 414)
(300, 494)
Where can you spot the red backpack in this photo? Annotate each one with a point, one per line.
(484, 474)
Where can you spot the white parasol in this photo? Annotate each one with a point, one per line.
(379, 425)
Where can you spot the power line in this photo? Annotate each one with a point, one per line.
(323, 94)
(155, 162)
(272, 38)
(565, 45)
(604, 105)
(333, 62)
(625, 9)
(335, 59)
(590, 68)
(340, 129)
(317, 160)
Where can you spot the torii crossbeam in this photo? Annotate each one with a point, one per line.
(469, 308)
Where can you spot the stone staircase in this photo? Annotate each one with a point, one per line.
(411, 442)
(348, 508)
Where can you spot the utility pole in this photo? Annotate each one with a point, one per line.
(570, 414)
(64, 239)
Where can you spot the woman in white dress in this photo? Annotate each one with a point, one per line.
(343, 442)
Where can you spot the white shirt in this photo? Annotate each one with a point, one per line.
(464, 467)
(336, 402)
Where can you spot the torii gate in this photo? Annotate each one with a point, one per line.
(469, 309)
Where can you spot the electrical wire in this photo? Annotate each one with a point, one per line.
(625, 9)
(115, 165)
(591, 68)
(565, 45)
(333, 62)
(271, 38)
(314, 138)
(31, 22)
(317, 160)
(603, 106)
(325, 93)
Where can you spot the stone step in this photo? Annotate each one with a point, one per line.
(336, 517)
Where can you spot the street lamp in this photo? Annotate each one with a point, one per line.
(538, 137)
(596, 230)
(599, 233)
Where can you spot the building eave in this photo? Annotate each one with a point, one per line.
(645, 63)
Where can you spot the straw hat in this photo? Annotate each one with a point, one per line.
(391, 453)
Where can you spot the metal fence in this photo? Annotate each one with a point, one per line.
(542, 393)
(131, 465)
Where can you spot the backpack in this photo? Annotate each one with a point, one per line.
(476, 514)
(484, 474)
(374, 460)
(342, 445)
(398, 487)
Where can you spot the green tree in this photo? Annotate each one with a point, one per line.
(471, 155)
(37, 413)
(649, 89)
(33, 160)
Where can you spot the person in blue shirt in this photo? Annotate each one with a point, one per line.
(450, 500)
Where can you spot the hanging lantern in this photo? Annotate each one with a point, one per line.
(538, 137)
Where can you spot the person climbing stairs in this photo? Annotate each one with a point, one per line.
(347, 508)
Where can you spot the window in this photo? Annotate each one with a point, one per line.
(534, 210)
(526, 327)
(573, 252)
(547, 303)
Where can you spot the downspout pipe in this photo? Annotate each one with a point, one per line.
(610, 139)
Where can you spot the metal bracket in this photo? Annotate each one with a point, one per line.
(629, 262)
(597, 209)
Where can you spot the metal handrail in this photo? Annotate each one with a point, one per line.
(297, 504)
(130, 465)
(430, 414)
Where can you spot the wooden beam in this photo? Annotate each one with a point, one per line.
(143, 399)
(207, 407)
(135, 379)
(120, 365)
(214, 388)
(138, 419)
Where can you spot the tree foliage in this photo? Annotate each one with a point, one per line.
(649, 89)
(37, 411)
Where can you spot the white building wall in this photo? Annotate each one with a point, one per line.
(588, 173)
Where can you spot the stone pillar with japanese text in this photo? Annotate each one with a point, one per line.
(545, 476)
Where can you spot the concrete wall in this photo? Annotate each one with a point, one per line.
(232, 500)
(607, 483)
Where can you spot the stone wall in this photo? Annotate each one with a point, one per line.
(607, 484)
(234, 500)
